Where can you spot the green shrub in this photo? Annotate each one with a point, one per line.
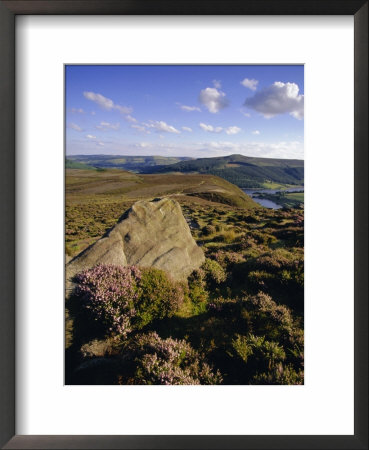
(266, 354)
(241, 346)
(159, 296)
(215, 274)
(279, 375)
(197, 287)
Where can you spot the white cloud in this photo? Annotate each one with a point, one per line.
(143, 145)
(103, 102)
(101, 144)
(140, 129)
(210, 128)
(108, 126)
(256, 132)
(233, 130)
(76, 110)
(123, 109)
(250, 84)
(217, 84)
(279, 98)
(90, 136)
(187, 129)
(160, 125)
(213, 99)
(298, 114)
(131, 119)
(189, 108)
(75, 127)
(106, 103)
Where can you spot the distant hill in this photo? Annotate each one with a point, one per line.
(243, 171)
(69, 164)
(131, 163)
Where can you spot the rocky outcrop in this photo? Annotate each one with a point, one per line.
(149, 234)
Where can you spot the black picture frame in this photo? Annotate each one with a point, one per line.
(8, 12)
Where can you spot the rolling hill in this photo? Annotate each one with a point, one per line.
(243, 171)
(132, 187)
(131, 163)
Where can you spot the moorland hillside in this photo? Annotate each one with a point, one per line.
(237, 319)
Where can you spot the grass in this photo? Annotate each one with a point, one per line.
(298, 196)
(272, 185)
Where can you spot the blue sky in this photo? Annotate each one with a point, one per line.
(197, 111)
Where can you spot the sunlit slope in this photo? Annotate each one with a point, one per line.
(244, 171)
(131, 186)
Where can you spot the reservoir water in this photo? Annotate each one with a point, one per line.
(254, 194)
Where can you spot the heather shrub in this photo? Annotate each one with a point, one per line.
(208, 230)
(278, 319)
(279, 259)
(219, 304)
(257, 236)
(227, 259)
(99, 348)
(126, 298)
(280, 314)
(109, 293)
(171, 362)
(259, 277)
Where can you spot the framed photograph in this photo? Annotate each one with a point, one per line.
(184, 235)
(184, 227)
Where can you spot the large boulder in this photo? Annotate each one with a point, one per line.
(149, 234)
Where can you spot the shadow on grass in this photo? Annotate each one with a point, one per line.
(80, 329)
(210, 334)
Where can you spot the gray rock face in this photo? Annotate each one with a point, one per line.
(150, 234)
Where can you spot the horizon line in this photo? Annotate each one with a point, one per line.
(175, 156)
